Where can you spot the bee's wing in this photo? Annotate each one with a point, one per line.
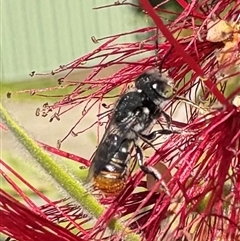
(113, 137)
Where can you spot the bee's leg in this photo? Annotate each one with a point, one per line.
(167, 118)
(147, 169)
(154, 134)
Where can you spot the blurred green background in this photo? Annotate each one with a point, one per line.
(41, 35)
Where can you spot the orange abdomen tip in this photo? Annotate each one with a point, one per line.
(110, 183)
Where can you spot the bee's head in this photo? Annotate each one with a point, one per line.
(158, 87)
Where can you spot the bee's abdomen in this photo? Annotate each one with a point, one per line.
(113, 176)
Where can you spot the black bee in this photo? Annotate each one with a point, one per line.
(134, 114)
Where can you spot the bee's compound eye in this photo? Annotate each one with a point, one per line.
(168, 92)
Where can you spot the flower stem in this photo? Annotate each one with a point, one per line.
(75, 189)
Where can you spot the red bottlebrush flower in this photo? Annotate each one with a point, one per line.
(200, 165)
(23, 224)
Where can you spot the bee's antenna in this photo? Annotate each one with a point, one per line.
(158, 60)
